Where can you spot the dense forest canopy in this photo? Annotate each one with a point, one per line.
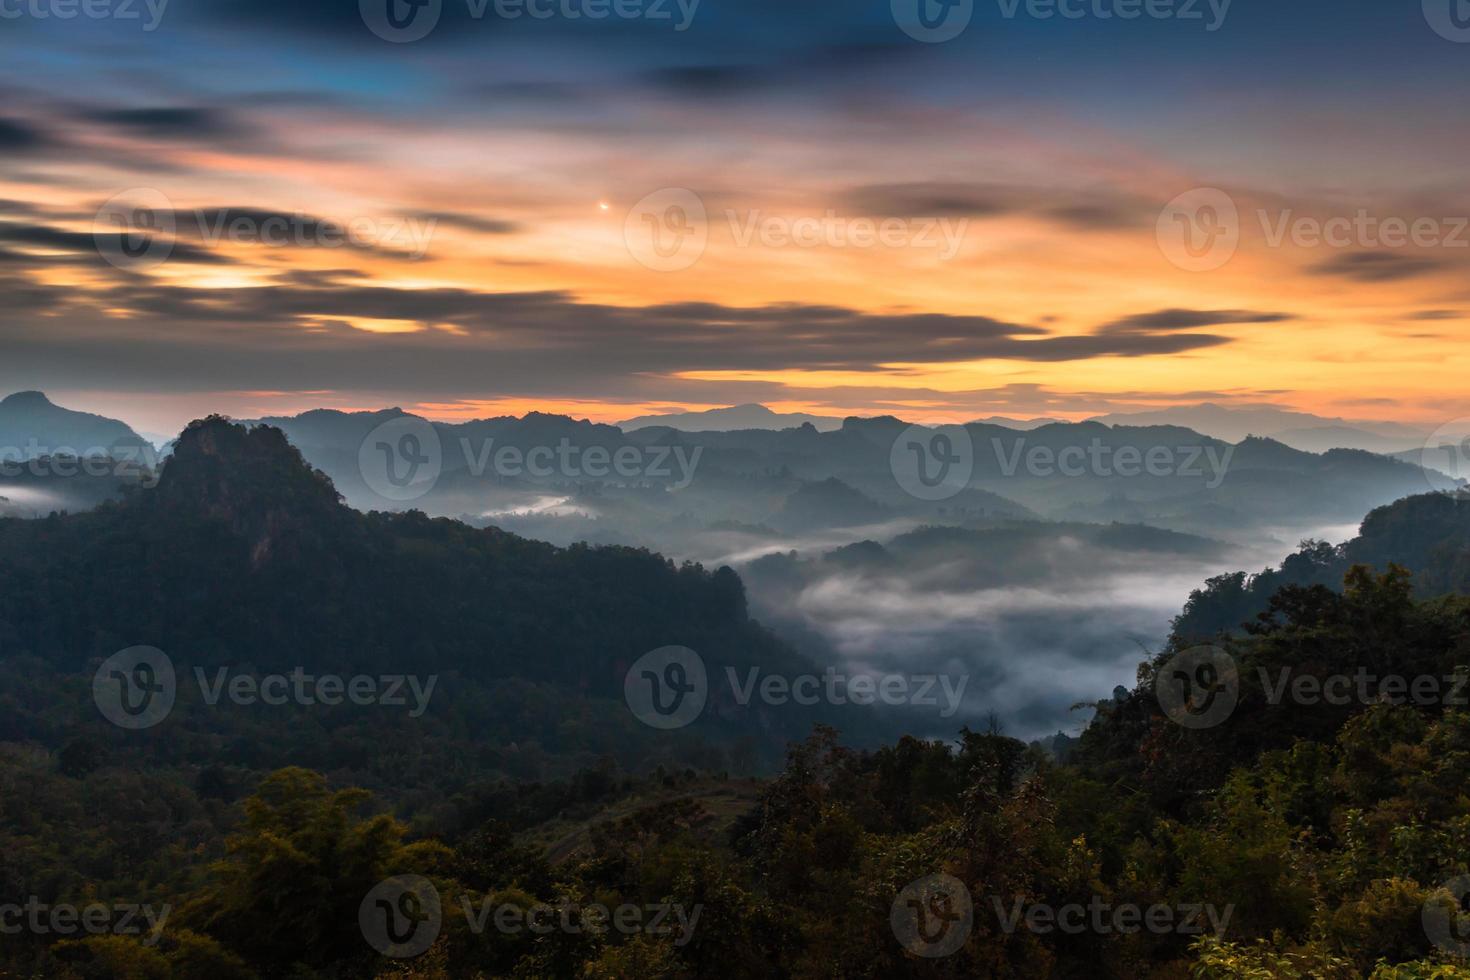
(525, 825)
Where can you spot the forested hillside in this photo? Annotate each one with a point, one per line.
(1299, 809)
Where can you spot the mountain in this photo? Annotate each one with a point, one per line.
(551, 477)
(1427, 534)
(732, 419)
(1302, 430)
(1327, 437)
(263, 873)
(54, 459)
(829, 503)
(685, 484)
(1021, 425)
(31, 426)
(245, 558)
(1445, 460)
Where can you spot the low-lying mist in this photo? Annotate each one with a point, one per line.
(1038, 617)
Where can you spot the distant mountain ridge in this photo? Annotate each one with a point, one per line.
(30, 414)
(765, 477)
(737, 417)
(31, 425)
(757, 416)
(244, 554)
(1300, 430)
(1022, 425)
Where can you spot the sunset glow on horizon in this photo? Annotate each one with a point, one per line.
(501, 221)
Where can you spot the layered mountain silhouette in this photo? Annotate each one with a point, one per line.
(685, 482)
(55, 459)
(1300, 430)
(730, 419)
(243, 554)
(31, 426)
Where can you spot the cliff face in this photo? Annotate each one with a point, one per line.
(253, 480)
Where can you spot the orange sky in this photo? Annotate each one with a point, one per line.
(1059, 224)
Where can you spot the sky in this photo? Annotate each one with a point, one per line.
(611, 208)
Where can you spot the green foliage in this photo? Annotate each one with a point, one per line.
(299, 867)
(1420, 970)
(1264, 960)
(1321, 832)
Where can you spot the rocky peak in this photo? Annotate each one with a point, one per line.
(251, 477)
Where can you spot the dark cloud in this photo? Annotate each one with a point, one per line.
(1083, 210)
(1376, 266)
(930, 199)
(22, 137)
(709, 80)
(1436, 315)
(22, 209)
(390, 236)
(473, 222)
(1163, 321)
(257, 225)
(85, 244)
(44, 236)
(1095, 217)
(297, 334)
(176, 123)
